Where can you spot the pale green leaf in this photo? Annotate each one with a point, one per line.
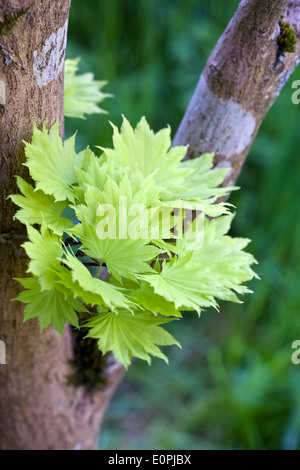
(178, 282)
(81, 92)
(150, 153)
(155, 303)
(53, 164)
(40, 208)
(203, 185)
(44, 250)
(123, 258)
(214, 271)
(91, 289)
(50, 306)
(128, 335)
(123, 254)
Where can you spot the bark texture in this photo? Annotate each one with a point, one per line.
(37, 409)
(240, 82)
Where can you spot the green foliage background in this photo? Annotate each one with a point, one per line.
(233, 385)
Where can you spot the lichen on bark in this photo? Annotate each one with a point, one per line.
(287, 38)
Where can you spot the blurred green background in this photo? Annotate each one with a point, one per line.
(233, 386)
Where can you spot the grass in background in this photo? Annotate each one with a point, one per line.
(233, 385)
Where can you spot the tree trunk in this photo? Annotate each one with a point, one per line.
(37, 409)
(242, 78)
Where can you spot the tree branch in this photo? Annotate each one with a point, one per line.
(240, 82)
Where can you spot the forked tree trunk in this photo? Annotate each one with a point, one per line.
(241, 80)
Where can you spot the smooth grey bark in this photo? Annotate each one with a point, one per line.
(241, 80)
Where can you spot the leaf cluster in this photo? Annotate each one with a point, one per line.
(127, 287)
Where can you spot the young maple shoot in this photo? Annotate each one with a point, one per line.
(82, 92)
(123, 288)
